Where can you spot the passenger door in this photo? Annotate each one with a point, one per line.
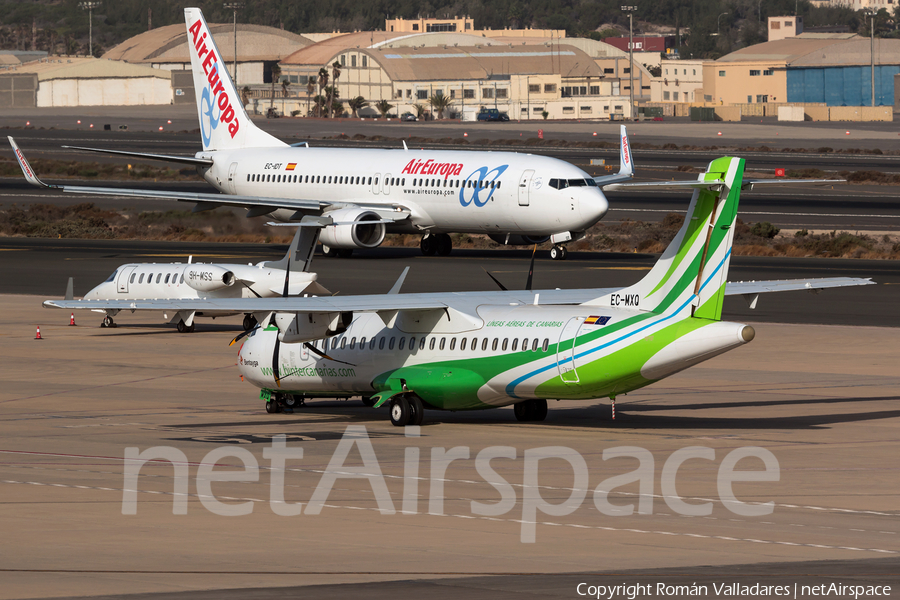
(525, 187)
(565, 355)
(231, 174)
(122, 281)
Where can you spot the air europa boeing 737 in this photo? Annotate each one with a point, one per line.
(514, 198)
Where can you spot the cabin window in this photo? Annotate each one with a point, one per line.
(167, 277)
(333, 343)
(546, 345)
(431, 344)
(133, 275)
(474, 344)
(248, 176)
(362, 343)
(370, 181)
(141, 280)
(505, 344)
(412, 343)
(353, 343)
(402, 343)
(462, 344)
(372, 344)
(524, 344)
(515, 345)
(421, 343)
(343, 343)
(494, 345)
(158, 277)
(452, 343)
(381, 344)
(534, 345)
(391, 343)
(181, 279)
(484, 344)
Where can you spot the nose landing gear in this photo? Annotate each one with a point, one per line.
(108, 322)
(436, 243)
(558, 252)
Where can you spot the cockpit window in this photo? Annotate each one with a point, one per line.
(111, 277)
(561, 184)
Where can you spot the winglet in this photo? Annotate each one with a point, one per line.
(626, 159)
(26, 168)
(399, 283)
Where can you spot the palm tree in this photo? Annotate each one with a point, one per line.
(357, 103)
(323, 82)
(384, 107)
(338, 108)
(310, 90)
(420, 110)
(439, 102)
(245, 95)
(319, 102)
(335, 73)
(276, 75)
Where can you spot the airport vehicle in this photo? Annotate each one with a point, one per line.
(492, 114)
(197, 281)
(478, 350)
(408, 116)
(374, 191)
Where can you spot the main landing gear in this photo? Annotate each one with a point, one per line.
(531, 410)
(558, 252)
(108, 322)
(407, 409)
(436, 243)
(285, 403)
(182, 328)
(249, 322)
(336, 253)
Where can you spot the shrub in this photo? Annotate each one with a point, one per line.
(764, 229)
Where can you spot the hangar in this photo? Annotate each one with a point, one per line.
(813, 67)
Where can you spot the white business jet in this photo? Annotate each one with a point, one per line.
(513, 198)
(186, 282)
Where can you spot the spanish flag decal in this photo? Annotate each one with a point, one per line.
(290, 167)
(595, 320)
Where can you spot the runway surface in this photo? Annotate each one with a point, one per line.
(822, 400)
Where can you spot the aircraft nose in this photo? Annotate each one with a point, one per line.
(593, 207)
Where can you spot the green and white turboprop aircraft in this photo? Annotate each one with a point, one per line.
(477, 350)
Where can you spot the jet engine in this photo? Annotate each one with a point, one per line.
(518, 240)
(305, 327)
(208, 278)
(355, 230)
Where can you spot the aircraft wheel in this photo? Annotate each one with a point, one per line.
(444, 244)
(249, 322)
(565, 252)
(108, 322)
(400, 411)
(291, 401)
(428, 244)
(558, 253)
(182, 328)
(271, 407)
(524, 411)
(329, 251)
(417, 410)
(367, 401)
(345, 253)
(539, 412)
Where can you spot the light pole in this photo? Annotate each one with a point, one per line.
(872, 53)
(235, 6)
(718, 20)
(90, 6)
(630, 10)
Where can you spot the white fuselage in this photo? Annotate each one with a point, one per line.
(141, 281)
(444, 191)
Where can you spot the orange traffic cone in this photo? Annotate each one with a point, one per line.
(37, 336)
(72, 320)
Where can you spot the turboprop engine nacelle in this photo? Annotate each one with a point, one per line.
(356, 230)
(208, 278)
(305, 327)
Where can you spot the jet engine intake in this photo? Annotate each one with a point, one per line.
(354, 230)
(208, 278)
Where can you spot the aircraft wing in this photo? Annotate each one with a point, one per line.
(746, 184)
(208, 201)
(185, 160)
(422, 301)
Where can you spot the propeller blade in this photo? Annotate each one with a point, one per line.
(318, 352)
(275, 362)
(531, 269)
(242, 335)
(502, 287)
